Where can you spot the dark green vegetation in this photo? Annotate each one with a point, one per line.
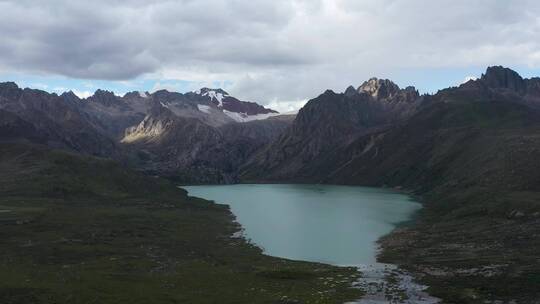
(475, 165)
(478, 237)
(78, 229)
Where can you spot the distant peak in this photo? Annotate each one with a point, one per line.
(411, 89)
(503, 78)
(100, 92)
(69, 95)
(379, 88)
(499, 69)
(9, 85)
(104, 97)
(329, 92)
(9, 89)
(215, 95)
(161, 91)
(350, 91)
(137, 94)
(100, 95)
(206, 91)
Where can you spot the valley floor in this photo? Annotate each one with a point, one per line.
(78, 229)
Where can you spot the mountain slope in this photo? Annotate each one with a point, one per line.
(14, 128)
(478, 236)
(190, 151)
(182, 148)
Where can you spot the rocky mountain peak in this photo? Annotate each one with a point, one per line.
(410, 89)
(234, 108)
(167, 96)
(215, 95)
(137, 94)
(379, 88)
(350, 91)
(499, 77)
(329, 92)
(9, 89)
(103, 93)
(205, 91)
(104, 97)
(9, 85)
(70, 96)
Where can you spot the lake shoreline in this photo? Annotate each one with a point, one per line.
(392, 282)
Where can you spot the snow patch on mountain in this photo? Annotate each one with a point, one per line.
(204, 108)
(143, 94)
(215, 95)
(243, 117)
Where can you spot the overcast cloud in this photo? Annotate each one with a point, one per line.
(268, 50)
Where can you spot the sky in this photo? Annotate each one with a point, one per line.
(278, 53)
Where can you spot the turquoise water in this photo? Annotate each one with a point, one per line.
(331, 224)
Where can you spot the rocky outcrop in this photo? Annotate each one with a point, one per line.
(106, 98)
(9, 91)
(508, 82)
(385, 90)
(498, 77)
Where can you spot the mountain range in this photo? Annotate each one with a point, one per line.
(469, 152)
(195, 137)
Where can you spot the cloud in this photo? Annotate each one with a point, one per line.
(268, 50)
(82, 94)
(287, 107)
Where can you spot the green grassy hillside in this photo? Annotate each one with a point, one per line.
(77, 229)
